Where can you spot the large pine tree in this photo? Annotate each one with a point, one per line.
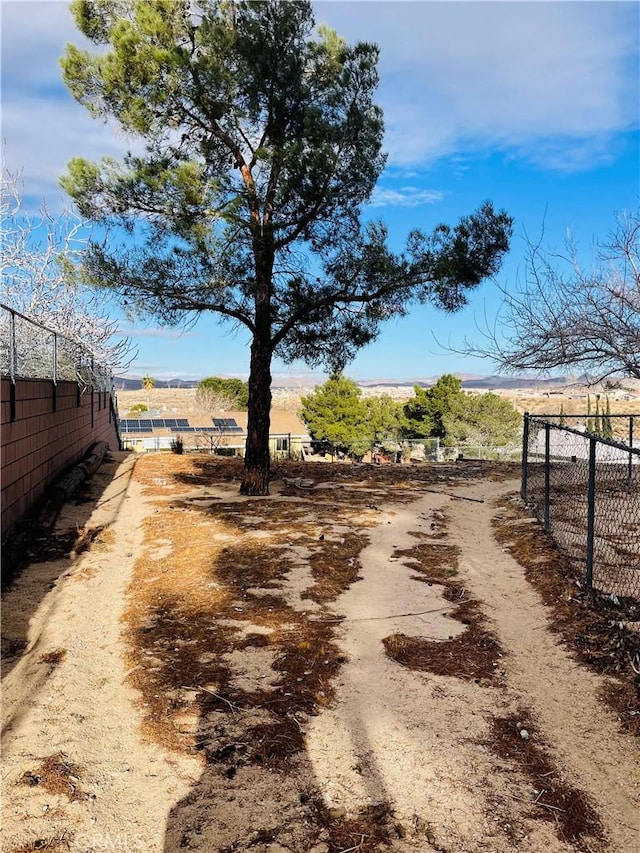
(258, 143)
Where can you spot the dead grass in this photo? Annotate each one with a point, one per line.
(598, 631)
(568, 808)
(53, 658)
(53, 843)
(473, 655)
(161, 473)
(86, 537)
(57, 774)
(365, 832)
(208, 585)
(335, 567)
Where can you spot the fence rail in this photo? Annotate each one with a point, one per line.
(30, 350)
(585, 489)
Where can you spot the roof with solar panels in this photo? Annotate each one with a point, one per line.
(227, 424)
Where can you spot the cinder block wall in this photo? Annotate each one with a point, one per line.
(52, 429)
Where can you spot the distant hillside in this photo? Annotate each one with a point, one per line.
(507, 382)
(471, 382)
(475, 382)
(134, 384)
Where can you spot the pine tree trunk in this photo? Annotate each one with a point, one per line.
(257, 458)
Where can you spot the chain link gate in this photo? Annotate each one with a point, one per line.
(585, 489)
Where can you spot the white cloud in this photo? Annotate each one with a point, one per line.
(404, 197)
(173, 334)
(550, 82)
(41, 139)
(474, 76)
(33, 38)
(42, 125)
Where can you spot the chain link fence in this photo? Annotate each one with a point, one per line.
(386, 450)
(493, 453)
(29, 350)
(585, 489)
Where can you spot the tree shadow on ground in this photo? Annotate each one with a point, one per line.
(38, 554)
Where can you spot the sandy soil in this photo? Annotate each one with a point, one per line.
(114, 740)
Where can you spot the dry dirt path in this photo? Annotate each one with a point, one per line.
(409, 750)
(417, 740)
(67, 696)
(562, 695)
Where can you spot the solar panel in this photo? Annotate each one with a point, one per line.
(149, 424)
(226, 424)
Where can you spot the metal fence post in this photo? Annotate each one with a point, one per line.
(54, 371)
(591, 511)
(92, 394)
(630, 467)
(13, 360)
(547, 476)
(525, 457)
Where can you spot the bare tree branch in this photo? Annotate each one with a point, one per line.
(35, 252)
(562, 316)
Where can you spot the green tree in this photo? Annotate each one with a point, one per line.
(384, 416)
(445, 411)
(607, 426)
(597, 425)
(137, 410)
(260, 144)
(216, 393)
(425, 414)
(334, 412)
(483, 419)
(562, 420)
(590, 422)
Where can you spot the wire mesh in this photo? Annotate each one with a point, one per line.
(30, 350)
(622, 428)
(586, 491)
(496, 453)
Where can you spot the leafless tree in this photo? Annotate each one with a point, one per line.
(211, 401)
(210, 440)
(562, 316)
(36, 256)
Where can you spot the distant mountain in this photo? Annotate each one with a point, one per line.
(469, 381)
(506, 382)
(127, 383)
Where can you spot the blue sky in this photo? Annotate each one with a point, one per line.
(534, 105)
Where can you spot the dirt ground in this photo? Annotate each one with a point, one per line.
(355, 663)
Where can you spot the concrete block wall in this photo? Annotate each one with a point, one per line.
(52, 428)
